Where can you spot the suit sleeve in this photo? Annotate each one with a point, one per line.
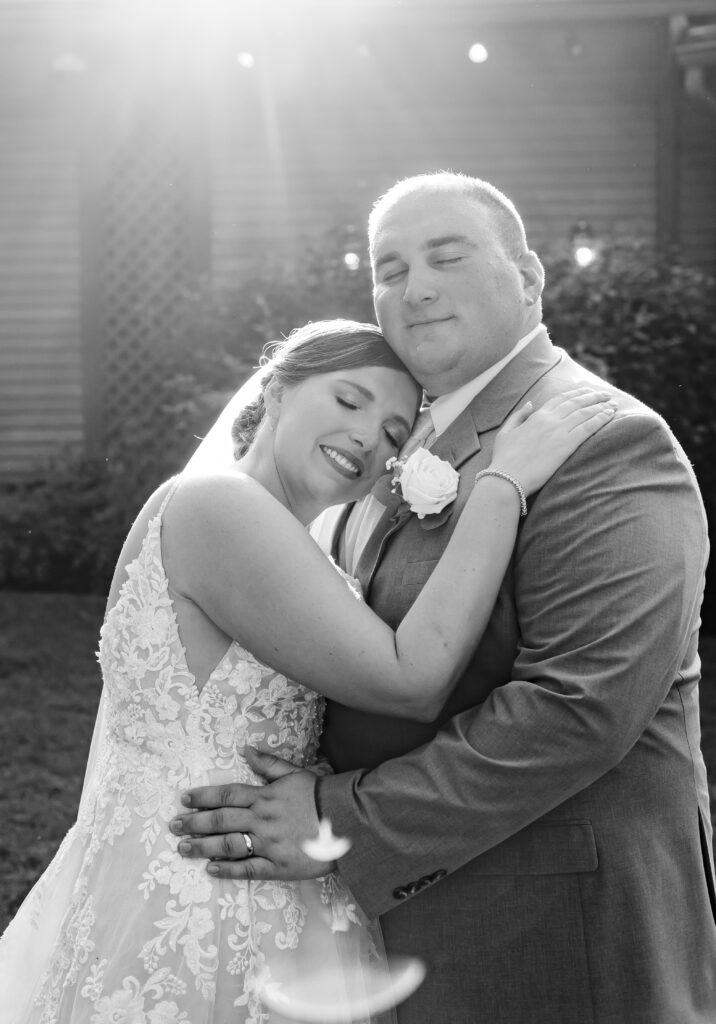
(608, 577)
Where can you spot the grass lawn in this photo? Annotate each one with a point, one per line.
(49, 688)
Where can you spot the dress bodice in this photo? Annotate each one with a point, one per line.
(156, 714)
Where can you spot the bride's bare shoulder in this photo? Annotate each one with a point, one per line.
(226, 519)
(212, 491)
(229, 502)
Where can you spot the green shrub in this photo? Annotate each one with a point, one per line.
(646, 322)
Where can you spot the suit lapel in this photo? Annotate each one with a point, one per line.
(395, 514)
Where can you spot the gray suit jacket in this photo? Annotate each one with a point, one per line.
(560, 800)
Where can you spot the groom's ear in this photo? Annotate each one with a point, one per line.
(532, 273)
(273, 393)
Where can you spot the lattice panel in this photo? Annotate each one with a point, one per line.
(145, 267)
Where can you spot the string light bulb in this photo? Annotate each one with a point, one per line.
(583, 244)
(478, 53)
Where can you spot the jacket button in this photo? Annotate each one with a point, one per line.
(437, 875)
(400, 893)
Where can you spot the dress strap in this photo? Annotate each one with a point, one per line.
(170, 494)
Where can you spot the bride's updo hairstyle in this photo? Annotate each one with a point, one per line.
(321, 347)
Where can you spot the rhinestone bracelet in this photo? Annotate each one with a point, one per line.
(515, 483)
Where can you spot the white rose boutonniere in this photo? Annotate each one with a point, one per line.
(427, 483)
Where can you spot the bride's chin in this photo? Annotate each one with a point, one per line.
(345, 496)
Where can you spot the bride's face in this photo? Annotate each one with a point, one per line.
(335, 431)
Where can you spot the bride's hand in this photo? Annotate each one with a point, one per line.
(531, 446)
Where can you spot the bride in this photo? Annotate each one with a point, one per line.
(225, 627)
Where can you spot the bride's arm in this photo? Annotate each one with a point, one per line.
(254, 570)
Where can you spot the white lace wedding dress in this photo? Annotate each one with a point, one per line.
(120, 929)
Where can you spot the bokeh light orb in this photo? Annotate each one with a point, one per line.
(245, 59)
(352, 260)
(584, 256)
(478, 53)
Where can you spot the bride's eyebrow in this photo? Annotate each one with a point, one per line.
(366, 392)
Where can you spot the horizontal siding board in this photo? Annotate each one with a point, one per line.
(28, 337)
(56, 400)
(36, 368)
(12, 315)
(69, 423)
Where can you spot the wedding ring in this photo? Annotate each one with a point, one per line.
(249, 844)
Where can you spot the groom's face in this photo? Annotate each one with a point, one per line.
(449, 299)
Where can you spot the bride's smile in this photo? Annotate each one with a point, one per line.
(343, 462)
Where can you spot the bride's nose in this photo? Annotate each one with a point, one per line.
(365, 438)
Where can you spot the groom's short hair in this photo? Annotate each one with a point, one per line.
(509, 226)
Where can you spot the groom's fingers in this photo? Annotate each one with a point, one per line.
(230, 846)
(219, 820)
(233, 794)
(250, 869)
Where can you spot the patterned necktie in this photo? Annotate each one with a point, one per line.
(366, 515)
(421, 436)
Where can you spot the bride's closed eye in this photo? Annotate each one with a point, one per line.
(394, 441)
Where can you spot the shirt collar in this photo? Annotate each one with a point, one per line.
(446, 408)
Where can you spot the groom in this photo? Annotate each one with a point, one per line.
(545, 845)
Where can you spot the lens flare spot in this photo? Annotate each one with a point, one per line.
(328, 997)
(325, 846)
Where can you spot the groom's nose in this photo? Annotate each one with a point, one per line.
(419, 287)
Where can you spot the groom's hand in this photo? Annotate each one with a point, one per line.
(276, 817)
